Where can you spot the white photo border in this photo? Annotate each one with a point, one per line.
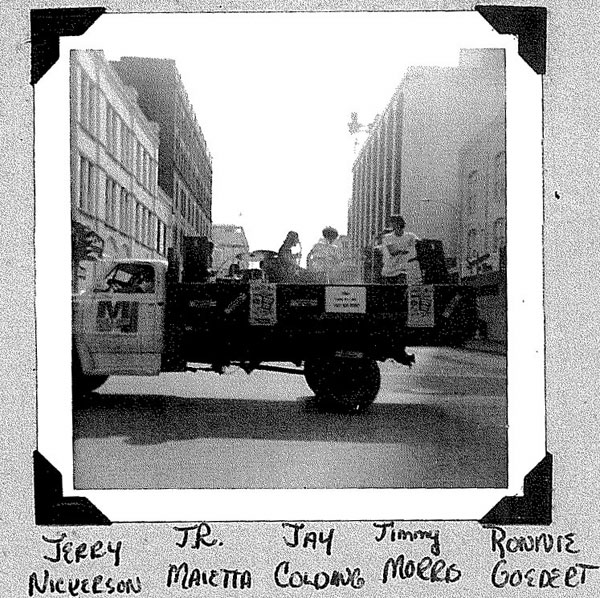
(526, 399)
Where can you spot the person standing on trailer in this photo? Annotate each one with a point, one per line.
(324, 258)
(399, 254)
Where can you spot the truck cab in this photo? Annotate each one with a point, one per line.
(118, 323)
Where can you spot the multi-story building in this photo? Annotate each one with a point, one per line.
(409, 163)
(230, 247)
(184, 162)
(482, 260)
(114, 162)
(437, 155)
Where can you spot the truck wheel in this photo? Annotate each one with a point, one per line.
(345, 384)
(84, 384)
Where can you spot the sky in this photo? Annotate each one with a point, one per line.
(273, 94)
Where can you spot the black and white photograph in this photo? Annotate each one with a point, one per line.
(299, 297)
(291, 270)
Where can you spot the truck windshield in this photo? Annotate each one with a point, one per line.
(130, 278)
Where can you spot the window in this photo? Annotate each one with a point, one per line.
(83, 183)
(124, 212)
(87, 187)
(151, 230)
(87, 103)
(139, 161)
(499, 233)
(472, 191)
(142, 235)
(109, 131)
(500, 177)
(137, 224)
(108, 194)
(472, 250)
(157, 246)
(123, 146)
(145, 169)
(148, 239)
(130, 278)
(152, 174)
(118, 136)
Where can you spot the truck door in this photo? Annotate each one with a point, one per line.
(121, 325)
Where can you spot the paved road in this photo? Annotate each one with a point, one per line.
(441, 424)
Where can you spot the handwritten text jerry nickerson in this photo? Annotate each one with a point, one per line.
(64, 552)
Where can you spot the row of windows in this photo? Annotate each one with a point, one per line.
(187, 128)
(120, 140)
(124, 147)
(187, 205)
(122, 210)
(200, 186)
(475, 188)
(116, 209)
(477, 243)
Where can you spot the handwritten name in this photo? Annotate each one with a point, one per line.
(196, 536)
(188, 577)
(308, 539)
(70, 553)
(76, 586)
(319, 580)
(425, 569)
(543, 542)
(540, 578)
(504, 575)
(387, 531)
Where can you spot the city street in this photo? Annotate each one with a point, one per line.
(441, 424)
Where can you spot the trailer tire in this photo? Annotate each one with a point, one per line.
(343, 384)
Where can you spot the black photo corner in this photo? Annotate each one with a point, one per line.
(51, 506)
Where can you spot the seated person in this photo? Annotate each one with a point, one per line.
(131, 278)
(288, 262)
(143, 281)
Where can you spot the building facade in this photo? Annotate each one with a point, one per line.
(409, 163)
(230, 247)
(482, 184)
(114, 162)
(184, 161)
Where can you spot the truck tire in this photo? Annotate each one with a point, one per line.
(343, 384)
(84, 384)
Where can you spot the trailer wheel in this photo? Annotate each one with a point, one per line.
(345, 384)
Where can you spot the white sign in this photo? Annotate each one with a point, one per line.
(420, 307)
(263, 304)
(346, 300)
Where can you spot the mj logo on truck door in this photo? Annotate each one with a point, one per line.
(117, 316)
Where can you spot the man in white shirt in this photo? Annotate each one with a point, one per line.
(324, 258)
(399, 253)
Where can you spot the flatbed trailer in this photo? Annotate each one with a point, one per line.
(333, 334)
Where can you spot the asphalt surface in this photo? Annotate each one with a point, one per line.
(440, 424)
